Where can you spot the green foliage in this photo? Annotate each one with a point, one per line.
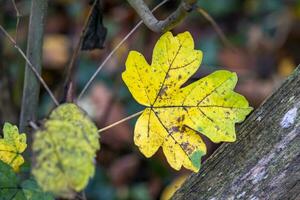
(12, 188)
(64, 151)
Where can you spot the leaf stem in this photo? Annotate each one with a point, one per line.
(33, 125)
(120, 121)
(114, 51)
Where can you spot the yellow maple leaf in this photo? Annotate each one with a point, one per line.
(175, 114)
(11, 146)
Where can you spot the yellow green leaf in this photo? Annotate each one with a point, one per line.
(65, 150)
(176, 114)
(12, 145)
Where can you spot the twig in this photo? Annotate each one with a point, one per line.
(216, 27)
(18, 19)
(170, 22)
(184, 8)
(70, 68)
(120, 121)
(114, 51)
(30, 65)
(33, 125)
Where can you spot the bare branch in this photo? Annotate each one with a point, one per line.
(71, 68)
(176, 17)
(33, 125)
(18, 19)
(30, 65)
(216, 27)
(120, 121)
(114, 51)
(170, 22)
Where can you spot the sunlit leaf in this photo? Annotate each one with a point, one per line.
(176, 114)
(65, 151)
(12, 145)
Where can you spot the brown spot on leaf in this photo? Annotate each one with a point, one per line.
(174, 129)
(180, 119)
(187, 147)
(163, 91)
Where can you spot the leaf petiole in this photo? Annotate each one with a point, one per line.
(120, 121)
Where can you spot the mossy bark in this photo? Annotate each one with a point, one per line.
(264, 162)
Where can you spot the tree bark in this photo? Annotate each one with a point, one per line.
(264, 163)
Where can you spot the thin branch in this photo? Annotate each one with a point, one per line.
(184, 8)
(114, 51)
(120, 121)
(170, 22)
(13, 42)
(216, 27)
(33, 125)
(18, 19)
(70, 69)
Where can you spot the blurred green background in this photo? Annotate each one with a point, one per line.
(265, 35)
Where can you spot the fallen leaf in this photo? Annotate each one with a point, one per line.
(12, 145)
(175, 113)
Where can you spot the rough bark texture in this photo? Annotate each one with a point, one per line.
(264, 163)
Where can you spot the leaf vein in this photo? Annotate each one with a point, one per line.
(214, 90)
(170, 135)
(139, 75)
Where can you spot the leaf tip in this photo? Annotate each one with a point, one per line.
(196, 160)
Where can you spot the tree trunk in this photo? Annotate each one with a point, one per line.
(264, 163)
